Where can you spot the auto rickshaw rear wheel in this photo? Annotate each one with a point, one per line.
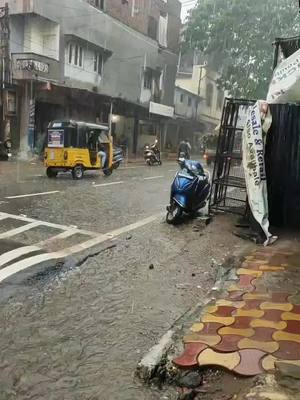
(77, 172)
(107, 171)
(51, 173)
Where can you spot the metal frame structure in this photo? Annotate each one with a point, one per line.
(228, 182)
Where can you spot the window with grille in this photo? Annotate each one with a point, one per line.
(71, 48)
(99, 4)
(98, 63)
(152, 27)
(75, 55)
(148, 78)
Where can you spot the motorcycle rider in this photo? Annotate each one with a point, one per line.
(185, 148)
(152, 152)
(156, 150)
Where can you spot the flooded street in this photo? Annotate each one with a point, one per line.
(149, 200)
(82, 329)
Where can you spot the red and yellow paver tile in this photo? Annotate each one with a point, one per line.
(256, 324)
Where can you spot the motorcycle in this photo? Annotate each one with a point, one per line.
(117, 157)
(189, 191)
(5, 150)
(152, 154)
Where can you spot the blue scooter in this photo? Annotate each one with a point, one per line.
(189, 191)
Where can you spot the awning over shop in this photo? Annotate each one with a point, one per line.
(161, 109)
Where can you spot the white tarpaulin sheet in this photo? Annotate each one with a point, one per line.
(285, 84)
(258, 122)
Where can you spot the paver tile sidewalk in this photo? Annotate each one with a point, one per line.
(257, 323)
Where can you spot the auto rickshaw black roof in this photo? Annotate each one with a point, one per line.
(72, 123)
(76, 133)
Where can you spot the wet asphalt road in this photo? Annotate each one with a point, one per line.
(78, 333)
(139, 192)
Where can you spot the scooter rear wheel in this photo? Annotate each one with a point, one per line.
(173, 215)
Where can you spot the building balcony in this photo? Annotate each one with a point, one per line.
(31, 66)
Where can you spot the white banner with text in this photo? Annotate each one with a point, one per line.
(258, 122)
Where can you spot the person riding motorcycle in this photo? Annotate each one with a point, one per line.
(184, 149)
(155, 149)
(152, 153)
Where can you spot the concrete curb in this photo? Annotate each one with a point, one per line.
(170, 343)
(153, 359)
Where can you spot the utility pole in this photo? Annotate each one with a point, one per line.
(201, 77)
(4, 67)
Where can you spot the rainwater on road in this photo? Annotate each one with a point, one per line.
(77, 332)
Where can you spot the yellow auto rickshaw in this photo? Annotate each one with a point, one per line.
(77, 147)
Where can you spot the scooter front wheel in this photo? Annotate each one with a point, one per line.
(174, 213)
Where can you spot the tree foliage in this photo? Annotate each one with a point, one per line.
(238, 35)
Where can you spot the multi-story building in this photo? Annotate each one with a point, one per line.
(198, 101)
(90, 60)
(185, 123)
(202, 81)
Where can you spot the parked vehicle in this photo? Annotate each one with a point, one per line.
(74, 146)
(5, 150)
(152, 154)
(118, 157)
(210, 156)
(211, 143)
(189, 191)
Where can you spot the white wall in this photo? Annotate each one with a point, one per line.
(41, 36)
(182, 108)
(16, 23)
(204, 75)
